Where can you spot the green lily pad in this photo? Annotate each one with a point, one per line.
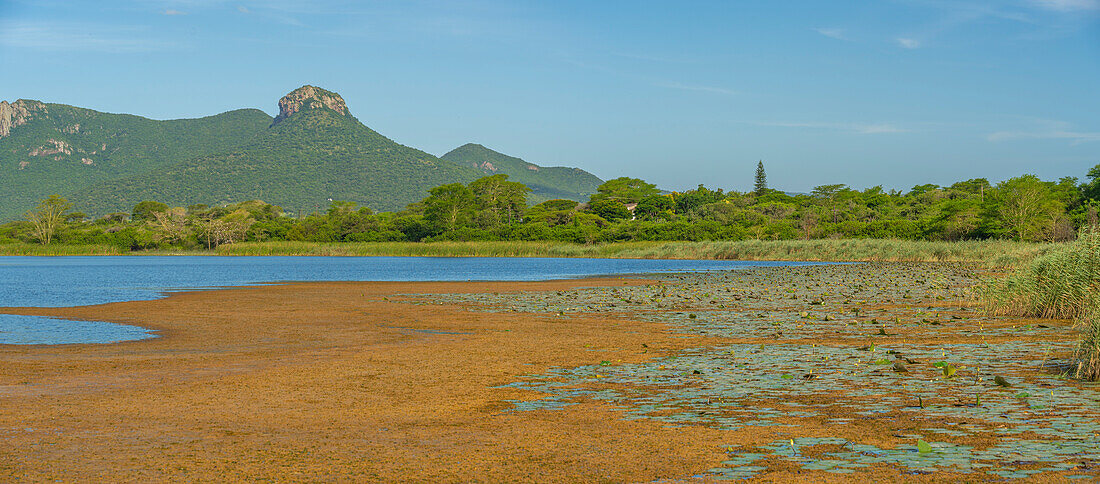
(923, 447)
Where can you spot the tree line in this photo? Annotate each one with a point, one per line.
(624, 209)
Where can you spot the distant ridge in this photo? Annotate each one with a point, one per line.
(545, 182)
(313, 151)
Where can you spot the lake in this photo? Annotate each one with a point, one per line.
(79, 281)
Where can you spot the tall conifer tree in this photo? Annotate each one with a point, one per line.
(761, 178)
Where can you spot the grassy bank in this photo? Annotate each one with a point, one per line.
(993, 252)
(1061, 284)
(59, 249)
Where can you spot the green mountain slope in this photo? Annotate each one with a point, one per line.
(545, 182)
(55, 148)
(314, 151)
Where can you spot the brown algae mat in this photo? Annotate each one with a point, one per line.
(823, 373)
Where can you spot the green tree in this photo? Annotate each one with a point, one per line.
(610, 210)
(553, 212)
(144, 211)
(761, 184)
(654, 207)
(48, 217)
(498, 200)
(449, 207)
(958, 219)
(828, 194)
(1091, 190)
(625, 190)
(1029, 207)
(557, 204)
(691, 200)
(227, 229)
(172, 225)
(346, 221)
(973, 186)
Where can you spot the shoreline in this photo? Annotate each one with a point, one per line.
(400, 381)
(253, 364)
(993, 253)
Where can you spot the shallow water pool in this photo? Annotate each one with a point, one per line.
(87, 280)
(41, 330)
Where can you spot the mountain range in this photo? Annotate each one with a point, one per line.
(314, 150)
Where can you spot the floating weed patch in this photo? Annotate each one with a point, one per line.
(728, 396)
(919, 458)
(937, 366)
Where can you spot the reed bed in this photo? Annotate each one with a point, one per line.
(24, 249)
(1062, 284)
(995, 253)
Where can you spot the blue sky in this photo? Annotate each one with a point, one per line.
(892, 93)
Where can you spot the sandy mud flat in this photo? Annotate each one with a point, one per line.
(828, 373)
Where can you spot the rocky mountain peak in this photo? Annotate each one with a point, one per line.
(17, 114)
(310, 97)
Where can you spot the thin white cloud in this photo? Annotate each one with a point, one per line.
(698, 88)
(1039, 19)
(80, 37)
(272, 13)
(172, 11)
(908, 43)
(831, 33)
(857, 128)
(1046, 129)
(1067, 5)
(1074, 136)
(653, 58)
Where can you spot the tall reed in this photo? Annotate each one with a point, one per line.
(996, 253)
(23, 249)
(1063, 284)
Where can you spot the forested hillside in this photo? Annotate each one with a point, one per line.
(58, 149)
(313, 151)
(545, 182)
(311, 155)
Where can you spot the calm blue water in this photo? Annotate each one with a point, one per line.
(40, 330)
(78, 281)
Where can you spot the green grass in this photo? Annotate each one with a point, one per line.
(992, 253)
(1061, 284)
(419, 249)
(59, 249)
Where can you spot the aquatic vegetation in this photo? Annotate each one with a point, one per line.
(1061, 284)
(946, 375)
(1064, 284)
(995, 253)
(23, 249)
